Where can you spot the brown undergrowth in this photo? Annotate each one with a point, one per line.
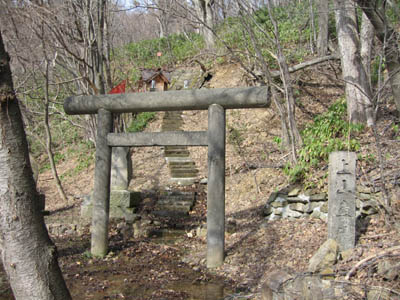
(143, 268)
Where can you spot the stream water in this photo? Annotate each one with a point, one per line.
(192, 290)
(196, 291)
(208, 291)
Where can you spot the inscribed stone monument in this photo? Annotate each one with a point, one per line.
(342, 200)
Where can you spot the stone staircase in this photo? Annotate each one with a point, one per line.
(182, 171)
(182, 168)
(175, 202)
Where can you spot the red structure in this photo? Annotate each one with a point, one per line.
(119, 89)
(150, 80)
(160, 78)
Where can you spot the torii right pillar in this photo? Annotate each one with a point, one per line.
(216, 186)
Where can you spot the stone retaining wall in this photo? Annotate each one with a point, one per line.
(59, 229)
(298, 204)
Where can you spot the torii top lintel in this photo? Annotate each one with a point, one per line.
(201, 99)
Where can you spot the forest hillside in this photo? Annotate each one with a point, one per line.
(331, 89)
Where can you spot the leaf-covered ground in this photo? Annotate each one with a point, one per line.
(155, 267)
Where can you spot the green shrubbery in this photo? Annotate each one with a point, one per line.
(140, 121)
(293, 25)
(175, 48)
(292, 21)
(294, 33)
(329, 132)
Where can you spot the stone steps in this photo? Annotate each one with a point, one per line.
(176, 201)
(171, 127)
(179, 164)
(182, 169)
(177, 148)
(173, 120)
(176, 153)
(178, 159)
(178, 194)
(183, 173)
(173, 208)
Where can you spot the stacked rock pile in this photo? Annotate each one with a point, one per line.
(319, 283)
(298, 204)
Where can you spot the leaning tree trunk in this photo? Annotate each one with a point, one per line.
(49, 147)
(267, 74)
(389, 38)
(357, 89)
(29, 257)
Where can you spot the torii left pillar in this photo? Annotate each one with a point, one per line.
(101, 191)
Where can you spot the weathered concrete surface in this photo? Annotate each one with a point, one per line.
(216, 186)
(121, 168)
(228, 98)
(169, 138)
(342, 199)
(122, 205)
(101, 191)
(124, 198)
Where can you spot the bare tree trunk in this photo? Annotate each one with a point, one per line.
(290, 134)
(313, 34)
(108, 47)
(366, 37)
(49, 149)
(358, 92)
(205, 14)
(389, 38)
(323, 22)
(48, 145)
(209, 35)
(100, 47)
(286, 136)
(287, 83)
(268, 75)
(29, 257)
(161, 28)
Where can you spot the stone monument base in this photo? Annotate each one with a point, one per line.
(123, 204)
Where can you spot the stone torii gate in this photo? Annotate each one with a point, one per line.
(215, 100)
